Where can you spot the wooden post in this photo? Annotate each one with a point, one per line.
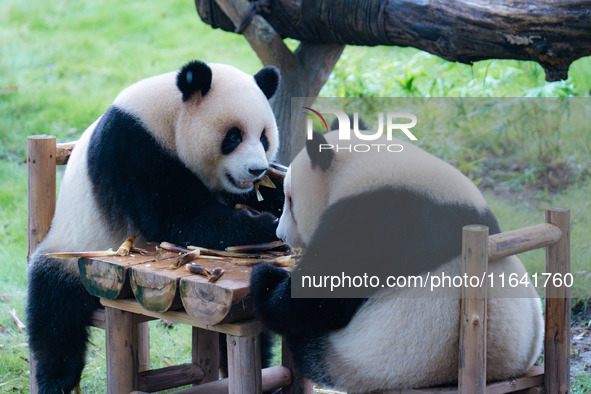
(143, 349)
(557, 331)
(205, 353)
(472, 360)
(41, 202)
(122, 351)
(299, 385)
(41, 187)
(244, 365)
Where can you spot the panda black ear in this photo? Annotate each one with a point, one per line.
(193, 77)
(319, 157)
(268, 80)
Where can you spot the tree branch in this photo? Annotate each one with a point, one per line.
(552, 33)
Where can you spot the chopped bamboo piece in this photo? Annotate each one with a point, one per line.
(173, 247)
(126, 246)
(264, 181)
(100, 253)
(215, 274)
(267, 182)
(141, 251)
(282, 261)
(16, 320)
(187, 258)
(256, 248)
(258, 193)
(277, 171)
(197, 269)
(222, 253)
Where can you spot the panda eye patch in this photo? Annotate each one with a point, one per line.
(231, 141)
(264, 140)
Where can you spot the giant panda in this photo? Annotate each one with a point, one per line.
(403, 209)
(167, 161)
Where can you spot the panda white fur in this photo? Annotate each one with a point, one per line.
(167, 161)
(418, 205)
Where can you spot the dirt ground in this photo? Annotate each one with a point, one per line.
(581, 344)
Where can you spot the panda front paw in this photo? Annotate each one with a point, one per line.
(262, 226)
(270, 289)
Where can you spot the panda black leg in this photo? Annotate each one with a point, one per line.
(59, 311)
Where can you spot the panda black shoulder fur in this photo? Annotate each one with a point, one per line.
(417, 205)
(167, 161)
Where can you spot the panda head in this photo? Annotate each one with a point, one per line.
(317, 179)
(226, 131)
(305, 203)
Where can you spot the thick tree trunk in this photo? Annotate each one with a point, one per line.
(552, 33)
(316, 63)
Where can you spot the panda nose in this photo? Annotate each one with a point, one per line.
(256, 171)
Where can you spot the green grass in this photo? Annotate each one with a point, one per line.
(513, 214)
(69, 59)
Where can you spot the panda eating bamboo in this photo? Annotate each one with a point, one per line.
(402, 211)
(167, 161)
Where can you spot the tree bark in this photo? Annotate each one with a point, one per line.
(552, 33)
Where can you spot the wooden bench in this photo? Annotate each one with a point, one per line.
(127, 334)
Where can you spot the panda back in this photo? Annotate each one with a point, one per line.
(78, 224)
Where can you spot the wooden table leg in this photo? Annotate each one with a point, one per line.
(244, 365)
(143, 333)
(299, 384)
(122, 350)
(33, 387)
(205, 353)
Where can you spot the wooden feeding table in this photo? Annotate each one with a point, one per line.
(159, 286)
(220, 308)
(141, 287)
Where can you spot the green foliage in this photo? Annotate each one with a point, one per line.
(515, 212)
(520, 132)
(67, 60)
(581, 384)
(408, 72)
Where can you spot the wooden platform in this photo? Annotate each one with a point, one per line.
(159, 287)
(529, 383)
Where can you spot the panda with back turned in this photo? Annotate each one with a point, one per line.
(167, 161)
(371, 213)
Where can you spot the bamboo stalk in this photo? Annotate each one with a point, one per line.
(197, 269)
(173, 247)
(126, 246)
(141, 251)
(16, 320)
(98, 253)
(257, 247)
(187, 258)
(215, 275)
(281, 261)
(277, 171)
(258, 193)
(223, 253)
(267, 182)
